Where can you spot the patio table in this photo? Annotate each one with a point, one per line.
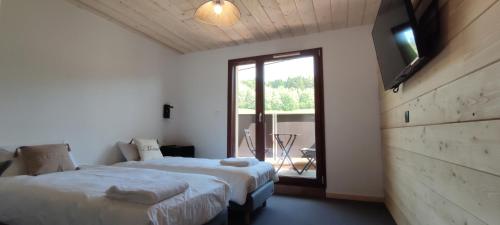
(286, 147)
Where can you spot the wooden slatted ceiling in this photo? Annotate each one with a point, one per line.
(171, 22)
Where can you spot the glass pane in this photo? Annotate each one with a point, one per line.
(289, 116)
(245, 111)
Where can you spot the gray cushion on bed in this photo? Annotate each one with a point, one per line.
(129, 151)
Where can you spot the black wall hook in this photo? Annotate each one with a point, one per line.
(166, 111)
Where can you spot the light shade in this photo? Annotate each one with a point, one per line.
(218, 12)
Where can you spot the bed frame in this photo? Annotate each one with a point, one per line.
(255, 200)
(220, 219)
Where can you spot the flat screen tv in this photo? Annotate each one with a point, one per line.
(406, 36)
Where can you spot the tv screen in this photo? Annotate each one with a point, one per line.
(403, 34)
(405, 40)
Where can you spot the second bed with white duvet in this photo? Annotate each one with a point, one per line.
(242, 180)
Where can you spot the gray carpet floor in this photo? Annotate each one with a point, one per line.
(305, 211)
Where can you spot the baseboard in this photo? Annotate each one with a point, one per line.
(361, 198)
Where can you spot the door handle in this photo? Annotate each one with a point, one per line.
(260, 117)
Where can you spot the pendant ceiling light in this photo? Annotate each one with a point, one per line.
(218, 12)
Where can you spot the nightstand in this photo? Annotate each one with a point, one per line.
(175, 150)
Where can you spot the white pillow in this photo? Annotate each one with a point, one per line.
(148, 149)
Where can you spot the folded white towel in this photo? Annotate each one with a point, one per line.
(239, 162)
(147, 192)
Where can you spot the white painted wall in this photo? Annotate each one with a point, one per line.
(354, 164)
(67, 74)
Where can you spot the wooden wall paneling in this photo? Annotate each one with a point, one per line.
(136, 24)
(395, 211)
(323, 11)
(307, 15)
(292, 16)
(475, 47)
(443, 164)
(423, 204)
(339, 13)
(473, 97)
(405, 206)
(411, 207)
(356, 11)
(476, 192)
(474, 145)
(459, 14)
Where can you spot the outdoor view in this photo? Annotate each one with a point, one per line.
(295, 94)
(289, 115)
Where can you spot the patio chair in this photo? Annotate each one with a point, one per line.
(310, 155)
(251, 146)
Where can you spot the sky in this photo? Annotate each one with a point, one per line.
(279, 70)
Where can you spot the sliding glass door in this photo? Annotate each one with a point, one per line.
(245, 107)
(276, 113)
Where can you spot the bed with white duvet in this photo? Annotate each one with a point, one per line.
(242, 180)
(78, 197)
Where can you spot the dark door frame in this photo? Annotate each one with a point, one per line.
(320, 180)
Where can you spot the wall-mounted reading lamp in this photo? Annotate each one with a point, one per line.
(166, 111)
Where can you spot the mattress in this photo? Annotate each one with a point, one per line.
(242, 180)
(77, 197)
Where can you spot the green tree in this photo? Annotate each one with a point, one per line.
(289, 100)
(281, 95)
(246, 95)
(306, 99)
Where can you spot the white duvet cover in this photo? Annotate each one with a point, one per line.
(78, 198)
(242, 180)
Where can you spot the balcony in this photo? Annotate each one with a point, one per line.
(297, 122)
